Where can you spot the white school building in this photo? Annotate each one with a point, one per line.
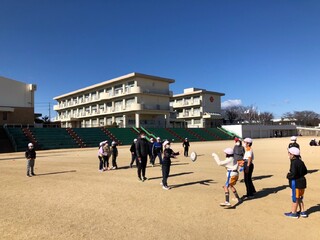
(136, 100)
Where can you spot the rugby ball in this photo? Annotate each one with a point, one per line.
(193, 156)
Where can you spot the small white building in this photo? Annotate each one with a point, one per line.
(262, 131)
(16, 102)
(198, 108)
(132, 100)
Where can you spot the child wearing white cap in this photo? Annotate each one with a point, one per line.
(231, 166)
(30, 155)
(293, 142)
(297, 183)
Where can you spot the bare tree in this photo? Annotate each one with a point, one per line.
(304, 118)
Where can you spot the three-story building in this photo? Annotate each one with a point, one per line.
(132, 100)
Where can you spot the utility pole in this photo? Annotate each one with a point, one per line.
(49, 111)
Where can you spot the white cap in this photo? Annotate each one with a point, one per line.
(186, 138)
(247, 140)
(158, 138)
(228, 151)
(165, 143)
(135, 140)
(294, 151)
(103, 143)
(30, 145)
(151, 139)
(113, 143)
(293, 138)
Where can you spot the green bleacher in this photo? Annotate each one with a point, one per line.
(185, 133)
(163, 133)
(124, 135)
(204, 134)
(57, 138)
(53, 138)
(19, 137)
(91, 137)
(220, 134)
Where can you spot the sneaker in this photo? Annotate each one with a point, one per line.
(113, 168)
(225, 204)
(33, 174)
(166, 187)
(144, 178)
(161, 184)
(140, 179)
(291, 215)
(304, 214)
(28, 175)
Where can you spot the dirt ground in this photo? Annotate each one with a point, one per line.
(70, 199)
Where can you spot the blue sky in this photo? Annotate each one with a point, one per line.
(260, 53)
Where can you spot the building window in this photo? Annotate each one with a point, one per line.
(5, 116)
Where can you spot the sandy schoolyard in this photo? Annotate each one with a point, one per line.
(70, 199)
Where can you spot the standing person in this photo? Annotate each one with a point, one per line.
(133, 152)
(142, 149)
(248, 167)
(231, 166)
(30, 155)
(297, 183)
(186, 146)
(238, 153)
(106, 155)
(151, 157)
(157, 150)
(293, 142)
(114, 152)
(168, 153)
(100, 156)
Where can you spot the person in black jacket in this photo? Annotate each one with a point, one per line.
(186, 146)
(133, 152)
(114, 152)
(142, 149)
(297, 183)
(168, 153)
(30, 155)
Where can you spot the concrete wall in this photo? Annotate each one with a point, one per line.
(15, 94)
(211, 103)
(16, 102)
(262, 131)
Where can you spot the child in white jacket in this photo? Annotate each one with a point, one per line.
(231, 166)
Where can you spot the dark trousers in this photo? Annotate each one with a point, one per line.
(159, 155)
(186, 151)
(165, 172)
(142, 165)
(100, 163)
(248, 180)
(105, 161)
(114, 161)
(151, 159)
(133, 158)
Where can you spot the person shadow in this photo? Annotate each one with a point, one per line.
(201, 182)
(258, 177)
(314, 209)
(312, 171)
(267, 191)
(172, 175)
(52, 173)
